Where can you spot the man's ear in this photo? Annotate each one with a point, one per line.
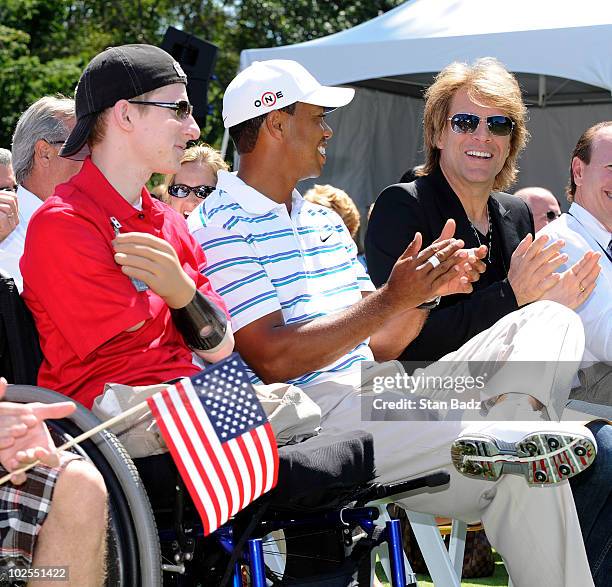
(43, 153)
(121, 114)
(275, 124)
(577, 170)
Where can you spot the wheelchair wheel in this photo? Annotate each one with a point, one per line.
(134, 556)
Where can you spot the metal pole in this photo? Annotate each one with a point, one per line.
(256, 563)
(396, 554)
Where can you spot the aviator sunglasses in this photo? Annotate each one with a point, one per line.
(463, 123)
(182, 108)
(180, 190)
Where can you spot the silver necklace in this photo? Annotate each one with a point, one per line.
(489, 235)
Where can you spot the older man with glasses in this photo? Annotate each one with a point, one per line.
(39, 134)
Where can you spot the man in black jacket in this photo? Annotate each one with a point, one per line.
(474, 131)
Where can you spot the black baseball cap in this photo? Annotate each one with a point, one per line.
(118, 73)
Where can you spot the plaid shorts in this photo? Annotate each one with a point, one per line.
(23, 509)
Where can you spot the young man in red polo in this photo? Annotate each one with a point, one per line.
(111, 276)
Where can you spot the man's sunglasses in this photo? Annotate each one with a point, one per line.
(463, 123)
(8, 188)
(180, 190)
(182, 108)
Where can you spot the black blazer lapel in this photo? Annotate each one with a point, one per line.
(507, 229)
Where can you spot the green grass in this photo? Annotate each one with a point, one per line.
(499, 577)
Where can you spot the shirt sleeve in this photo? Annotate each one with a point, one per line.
(237, 275)
(363, 279)
(596, 311)
(69, 271)
(194, 264)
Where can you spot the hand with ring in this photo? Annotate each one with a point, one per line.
(575, 285)
(440, 269)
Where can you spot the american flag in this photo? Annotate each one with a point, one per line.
(219, 438)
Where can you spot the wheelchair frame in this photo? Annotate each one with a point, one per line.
(133, 533)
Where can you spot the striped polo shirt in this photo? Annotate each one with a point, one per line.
(260, 259)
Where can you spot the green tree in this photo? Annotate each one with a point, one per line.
(44, 44)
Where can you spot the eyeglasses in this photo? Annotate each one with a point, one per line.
(463, 123)
(552, 215)
(8, 188)
(182, 108)
(180, 190)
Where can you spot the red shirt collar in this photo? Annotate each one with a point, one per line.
(91, 180)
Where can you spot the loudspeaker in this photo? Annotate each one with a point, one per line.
(197, 58)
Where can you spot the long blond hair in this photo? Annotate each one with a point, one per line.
(488, 83)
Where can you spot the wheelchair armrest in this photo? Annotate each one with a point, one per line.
(379, 491)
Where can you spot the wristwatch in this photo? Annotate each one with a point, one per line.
(431, 304)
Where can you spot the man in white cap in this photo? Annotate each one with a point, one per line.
(303, 311)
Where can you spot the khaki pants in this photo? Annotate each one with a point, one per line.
(536, 530)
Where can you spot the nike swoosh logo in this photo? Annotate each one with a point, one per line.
(323, 239)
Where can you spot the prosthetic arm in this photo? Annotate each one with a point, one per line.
(205, 328)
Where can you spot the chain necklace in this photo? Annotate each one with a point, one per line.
(489, 235)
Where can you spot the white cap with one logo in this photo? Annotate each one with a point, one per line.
(265, 86)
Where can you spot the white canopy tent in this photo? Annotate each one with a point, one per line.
(561, 51)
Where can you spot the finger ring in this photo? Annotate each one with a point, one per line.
(434, 261)
(581, 287)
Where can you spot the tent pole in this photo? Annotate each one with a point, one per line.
(541, 90)
(224, 143)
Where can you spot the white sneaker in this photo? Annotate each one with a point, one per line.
(543, 453)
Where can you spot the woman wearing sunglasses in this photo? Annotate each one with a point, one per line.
(195, 180)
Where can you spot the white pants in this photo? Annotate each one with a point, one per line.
(535, 529)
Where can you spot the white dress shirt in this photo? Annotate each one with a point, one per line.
(582, 232)
(11, 248)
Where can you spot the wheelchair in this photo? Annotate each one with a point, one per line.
(315, 528)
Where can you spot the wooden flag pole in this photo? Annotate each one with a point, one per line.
(109, 423)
